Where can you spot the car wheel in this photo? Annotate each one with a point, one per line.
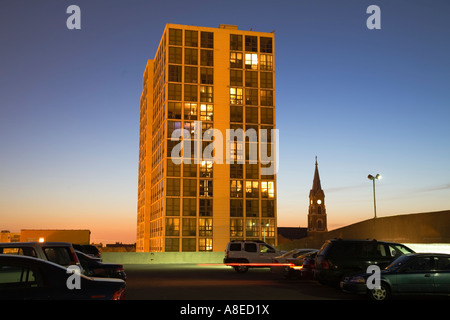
(381, 294)
(241, 269)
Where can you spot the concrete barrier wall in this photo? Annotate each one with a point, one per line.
(162, 257)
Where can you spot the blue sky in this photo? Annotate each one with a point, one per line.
(364, 101)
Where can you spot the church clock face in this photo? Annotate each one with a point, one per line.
(319, 201)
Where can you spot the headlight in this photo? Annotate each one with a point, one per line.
(357, 279)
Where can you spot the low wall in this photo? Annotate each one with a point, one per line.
(162, 257)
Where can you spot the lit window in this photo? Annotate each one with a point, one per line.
(236, 60)
(267, 189)
(266, 62)
(236, 96)
(251, 61)
(205, 226)
(205, 244)
(206, 112)
(206, 94)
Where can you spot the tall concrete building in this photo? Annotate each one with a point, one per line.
(207, 170)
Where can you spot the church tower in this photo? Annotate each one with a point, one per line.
(317, 215)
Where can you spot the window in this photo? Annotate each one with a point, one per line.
(173, 187)
(236, 60)
(188, 244)
(236, 96)
(206, 112)
(206, 94)
(268, 208)
(206, 75)
(189, 126)
(236, 78)
(175, 37)
(251, 115)
(172, 126)
(207, 58)
(206, 169)
(189, 207)
(267, 115)
(251, 171)
(205, 244)
(173, 170)
(190, 92)
(206, 188)
(205, 227)
(266, 80)
(236, 170)
(172, 245)
(189, 187)
(191, 74)
(190, 111)
(207, 40)
(251, 97)
(58, 255)
(172, 206)
(267, 189)
(191, 38)
(12, 277)
(174, 73)
(251, 79)
(189, 227)
(236, 228)
(267, 98)
(251, 43)
(251, 61)
(174, 110)
(190, 56)
(236, 208)
(236, 114)
(266, 62)
(236, 42)
(252, 189)
(251, 230)
(174, 90)
(236, 189)
(175, 55)
(205, 207)
(172, 226)
(265, 44)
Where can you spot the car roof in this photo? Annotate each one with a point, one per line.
(15, 257)
(34, 243)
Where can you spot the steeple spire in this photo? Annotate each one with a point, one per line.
(316, 182)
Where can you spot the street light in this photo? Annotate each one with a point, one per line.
(371, 177)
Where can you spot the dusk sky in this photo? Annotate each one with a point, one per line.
(363, 101)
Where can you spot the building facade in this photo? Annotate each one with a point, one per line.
(317, 215)
(207, 171)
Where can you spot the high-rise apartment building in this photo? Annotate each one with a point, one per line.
(207, 171)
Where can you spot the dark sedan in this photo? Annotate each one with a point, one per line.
(419, 274)
(93, 267)
(28, 278)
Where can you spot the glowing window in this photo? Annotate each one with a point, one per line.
(251, 61)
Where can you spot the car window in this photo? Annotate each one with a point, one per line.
(398, 250)
(235, 247)
(21, 251)
(16, 276)
(442, 264)
(264, 248)
(419, 264)
(58, 255)
(250, 247)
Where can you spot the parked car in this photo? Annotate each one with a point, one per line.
(92, 267)
(88, 249)
(61, 253)
(302, 266)
(341, 257)
(29, 278)
(245, 254)
(419, 273)
(283, 267)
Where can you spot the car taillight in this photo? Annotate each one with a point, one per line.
(325, 264)
(119, 294)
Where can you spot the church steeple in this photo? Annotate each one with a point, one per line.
(317, 217)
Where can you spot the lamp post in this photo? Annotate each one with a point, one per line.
(371, 177)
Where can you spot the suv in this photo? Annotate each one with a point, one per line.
(61, 253)
(338, 258)
(242, 254)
